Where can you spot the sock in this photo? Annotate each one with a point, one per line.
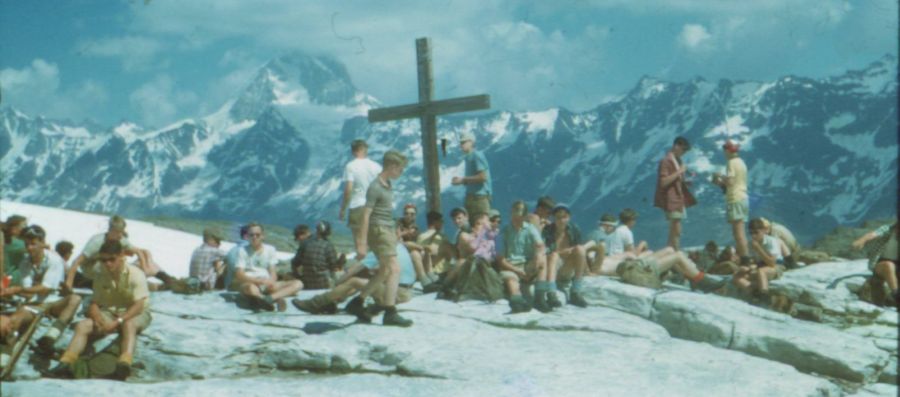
(551, 286)
(125, 358)
(165, 277)
(540, 286)
(577, 284)
(68, 357)
(698, 277)
(52, 333)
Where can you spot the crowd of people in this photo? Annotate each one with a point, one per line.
(532, 261)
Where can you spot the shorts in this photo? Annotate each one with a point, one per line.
(528, 267)
(737, 212)
(141, 321)
(672, 215)
(354, 220)
(382, 241)
(477, 205)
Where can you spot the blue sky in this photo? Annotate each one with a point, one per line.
(158, 61)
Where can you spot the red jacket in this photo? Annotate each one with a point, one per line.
(676, 195)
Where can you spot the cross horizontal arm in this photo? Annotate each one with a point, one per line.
(415, 110)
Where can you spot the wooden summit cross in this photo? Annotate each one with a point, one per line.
(427, 111)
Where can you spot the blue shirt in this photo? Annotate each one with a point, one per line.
(475, 163)
(407, 273)
(571, 231)
(518, 245)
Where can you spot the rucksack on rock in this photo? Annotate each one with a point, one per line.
(639, 272)
(810, 257)
(478, 281)
(100, 365)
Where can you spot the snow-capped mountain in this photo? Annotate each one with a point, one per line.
(821, 152)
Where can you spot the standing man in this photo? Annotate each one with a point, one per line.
(672, 193)
(358, 174)
(378, 232)
(737, 205)
(477, 179)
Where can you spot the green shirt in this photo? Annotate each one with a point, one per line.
(518, 245)
(14, 252)
(380, 200)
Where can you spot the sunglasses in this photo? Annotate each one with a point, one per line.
(255, 234)
(106, 259)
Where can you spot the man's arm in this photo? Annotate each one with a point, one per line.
(99, 322)
(504, 264)
(134, 310)
(70, 274)
(860, 242)
(363, 243)
(668, 176)
(348, 188)
(767, 258)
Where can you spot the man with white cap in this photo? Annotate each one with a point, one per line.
(477, 178)
(598, 241)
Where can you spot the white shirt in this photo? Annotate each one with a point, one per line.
(256, 263)
(361, 172)
(619, 239)
(772, 245)
(49, 273)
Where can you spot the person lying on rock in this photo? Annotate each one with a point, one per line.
(89, 266)
(355, 279)
(768, 255)
(649, 270)
(120, 304)
(521, 258)
(566, 253)
(256, 277)
(39, 273)
(881, 249)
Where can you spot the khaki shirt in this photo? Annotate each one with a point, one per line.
(118, 294)
(736, 190)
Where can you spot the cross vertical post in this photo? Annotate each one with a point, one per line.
(430, 167)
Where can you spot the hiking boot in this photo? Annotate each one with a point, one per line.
(357, 308)
(433, 287)
(540, 303)
(517, 304)
(305, 305)
(123, 370)
(45, 346)
(374, 310)
(392, 318)
(710, 283)
(576, 299)
(330, 308)
(553, 300)
(61, 371)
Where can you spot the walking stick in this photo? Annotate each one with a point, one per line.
(22, 342)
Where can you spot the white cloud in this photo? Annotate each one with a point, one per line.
(135, 52)
(694, 37)
(159, 102)
(36, 89)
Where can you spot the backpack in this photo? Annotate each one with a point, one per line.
(100, 365)
(639, 272)
(810, 257)
(188, 286)
(478, 281)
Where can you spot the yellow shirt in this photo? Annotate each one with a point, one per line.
(736, 189)
(118, 294)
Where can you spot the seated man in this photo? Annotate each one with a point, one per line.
(598, 242)
(543, 210)
(521, 258)
(256, 276)
(782, 233)
(565, 253)
(884, 261)
(234, 252)
(208, 261)
(622, 239)
(40, 273)
(355, 279)
(317, 259)
(121, 304)
(408, 234)
(656, 265)
(496, 220)
(437, 251)
(768, 256)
